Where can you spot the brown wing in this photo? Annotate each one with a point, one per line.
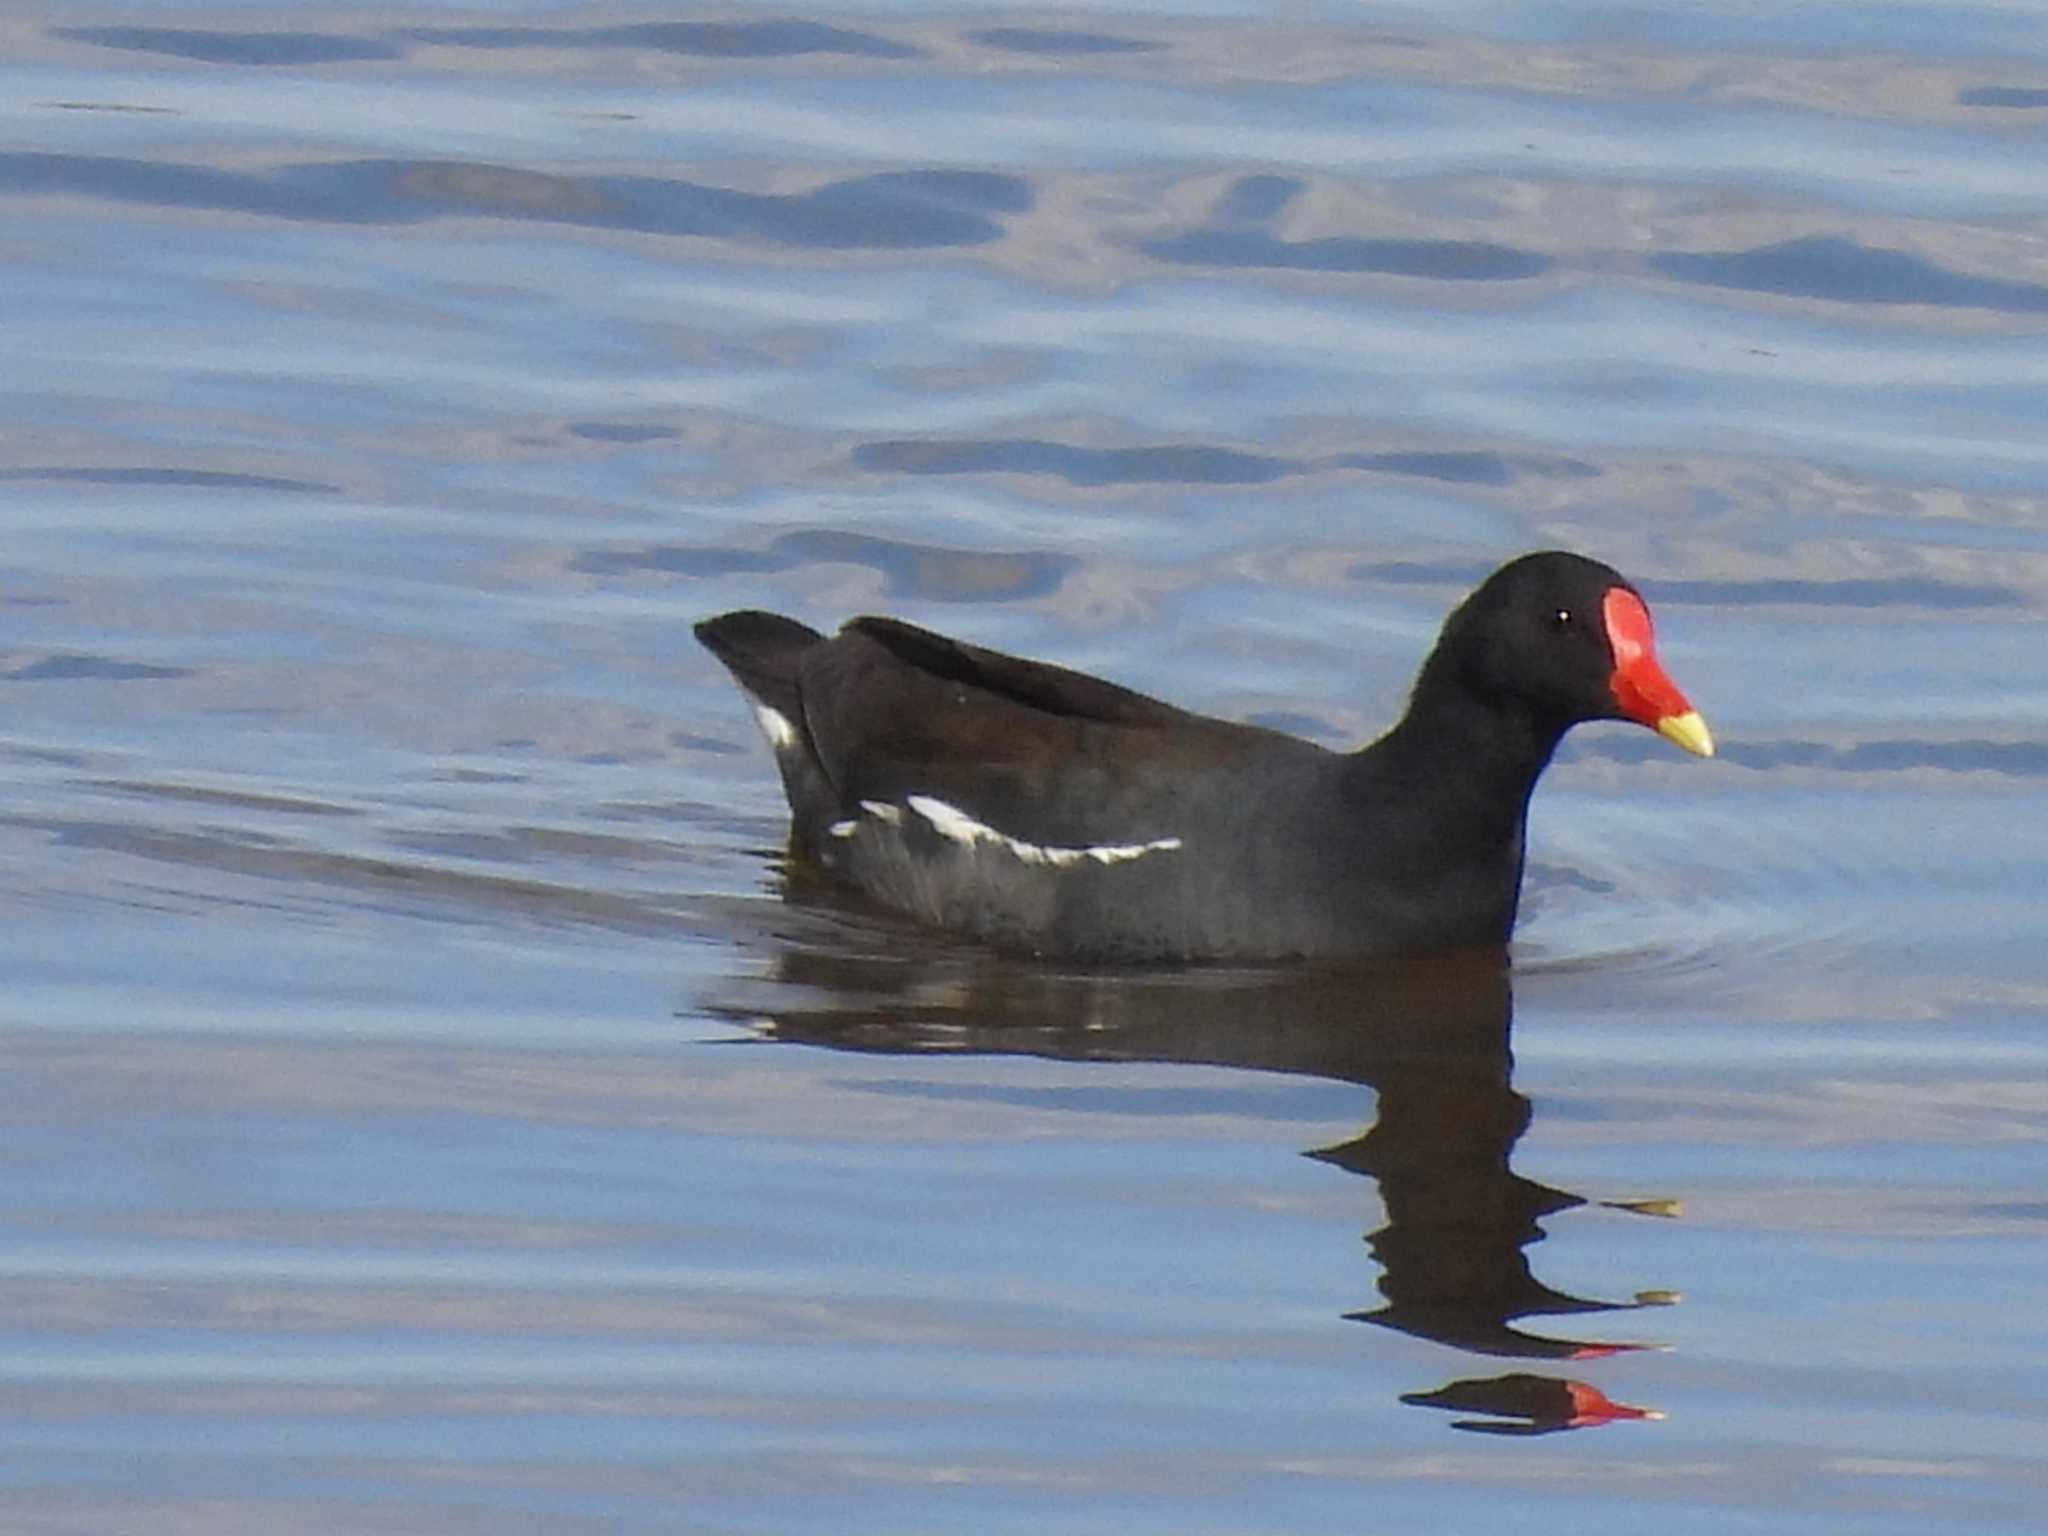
(1047, 754)
(1034, 684)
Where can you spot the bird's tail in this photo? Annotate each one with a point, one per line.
(762, 651)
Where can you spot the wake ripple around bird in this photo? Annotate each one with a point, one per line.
(1720, 901)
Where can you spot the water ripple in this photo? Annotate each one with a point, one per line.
(889, 210)
(235, 47)
(911, 570)
(778, 39)
(1845, 271)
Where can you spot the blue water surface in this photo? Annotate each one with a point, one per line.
(429, 1111)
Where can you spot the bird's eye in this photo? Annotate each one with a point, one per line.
(1562, 619)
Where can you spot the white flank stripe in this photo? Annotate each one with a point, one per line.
(843, 828)
(882, 810)
(776, 727)
(952, 822)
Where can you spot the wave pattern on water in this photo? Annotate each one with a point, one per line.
(895, 210)
(433, 1103)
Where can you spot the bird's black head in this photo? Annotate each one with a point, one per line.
(1560, 639)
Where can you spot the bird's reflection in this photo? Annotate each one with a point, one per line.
(1430, 1037)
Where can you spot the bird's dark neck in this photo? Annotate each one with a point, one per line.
(1469, 760)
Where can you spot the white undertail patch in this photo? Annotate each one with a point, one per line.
(881, 810)
(950, 821)
(776, 727)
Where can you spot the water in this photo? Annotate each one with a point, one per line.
(427, 1114)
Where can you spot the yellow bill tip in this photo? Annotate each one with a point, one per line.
(1688, 731)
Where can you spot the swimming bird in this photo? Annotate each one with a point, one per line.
(1048, 812)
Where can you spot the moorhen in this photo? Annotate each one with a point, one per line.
(1049, 812)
